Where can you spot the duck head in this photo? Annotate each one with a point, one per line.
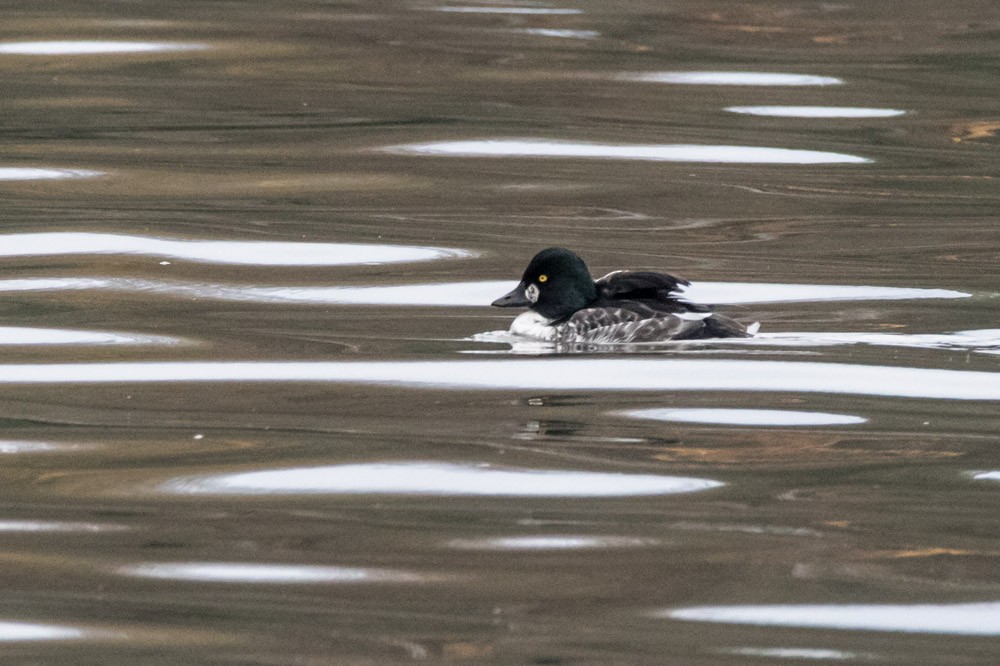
(555, 285)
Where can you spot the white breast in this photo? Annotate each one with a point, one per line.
(533, 325)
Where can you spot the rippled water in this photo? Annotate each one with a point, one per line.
(256, 408)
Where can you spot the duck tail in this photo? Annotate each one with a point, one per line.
(721, 326)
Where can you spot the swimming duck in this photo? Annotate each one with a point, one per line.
(566, 305)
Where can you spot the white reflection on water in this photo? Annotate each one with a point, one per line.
(458, 294)
(973, 619)
(987, 476)
(712, 78)
(70, 284)
(482, 293)
(31, 173)
(749, 292)
(454, 294)
(642, 152)
(752, 417)
(508, 10)
(562, 34)
(426, 478)
(15, 335)
(550, 542)
(23, 631)
(799, 653)
(986, 341)
(58, 526)
(237, 572)
(816, 111)
(93, 47)
(564, 374)
(257, 253)
(8, 446)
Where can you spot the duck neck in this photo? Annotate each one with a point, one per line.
(567, 302)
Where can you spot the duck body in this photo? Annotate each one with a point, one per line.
(567, 306)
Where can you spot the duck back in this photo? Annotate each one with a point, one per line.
(659, 292)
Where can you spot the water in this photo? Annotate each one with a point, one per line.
(255, 408)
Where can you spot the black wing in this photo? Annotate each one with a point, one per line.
(658, 291)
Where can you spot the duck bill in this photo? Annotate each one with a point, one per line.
(514, 298)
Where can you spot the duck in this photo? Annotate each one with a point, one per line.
(567, 306)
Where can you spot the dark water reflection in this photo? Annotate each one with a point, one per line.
(255, 409)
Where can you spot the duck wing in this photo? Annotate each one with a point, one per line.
(659, 291)
(625, 325)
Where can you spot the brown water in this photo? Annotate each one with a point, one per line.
(223, 453)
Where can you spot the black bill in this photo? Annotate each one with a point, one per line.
(514, 298)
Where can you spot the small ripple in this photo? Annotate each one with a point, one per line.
(29, 173)
(507, 10)
(448, 479)
(93, 47)
(713, 78)
(237, 572)
(816, 111)
(749, 529)
(257, 253)
(972, 619)
(749, 417)
(641, 152)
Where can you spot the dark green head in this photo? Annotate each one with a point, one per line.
(555, 285)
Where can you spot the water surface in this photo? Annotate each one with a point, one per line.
(256, 409)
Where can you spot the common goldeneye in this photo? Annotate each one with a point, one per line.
(565, 305)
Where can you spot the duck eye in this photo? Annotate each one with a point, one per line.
(543, 278)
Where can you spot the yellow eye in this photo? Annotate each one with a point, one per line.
(543, 278)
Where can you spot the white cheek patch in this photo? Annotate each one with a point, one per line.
(531, 293)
